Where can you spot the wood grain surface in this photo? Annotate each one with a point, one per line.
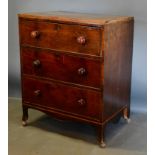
(77, 66)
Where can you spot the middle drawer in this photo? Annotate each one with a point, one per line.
(49, 64)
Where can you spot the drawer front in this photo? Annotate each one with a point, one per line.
(86, 103)
(72, 38)
(44, 63)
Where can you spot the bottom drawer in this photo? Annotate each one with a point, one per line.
(69, 99)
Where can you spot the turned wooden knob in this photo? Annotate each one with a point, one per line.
(81, 102)
(81, 40)
(35, 34)
(36, 63)
(37, 92)
(81, 71)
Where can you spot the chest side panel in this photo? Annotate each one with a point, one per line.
(118, 46)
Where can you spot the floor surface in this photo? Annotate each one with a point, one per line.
(47, 136)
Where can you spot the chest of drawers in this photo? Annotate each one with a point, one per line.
(76, 66)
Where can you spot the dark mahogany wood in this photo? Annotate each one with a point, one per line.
(44, 63)
(117, 66)
(25, 113)
(74, 38)
(76, 101)
(76, 66)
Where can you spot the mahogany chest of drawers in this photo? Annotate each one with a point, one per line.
(76, 66)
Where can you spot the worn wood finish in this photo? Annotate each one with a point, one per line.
(50, 64)
(117, 66)
(73, 18)
(76, 67)
(63, 37)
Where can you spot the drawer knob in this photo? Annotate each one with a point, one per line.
(81, 40)
(81, 71)
(36, 63)
(81, 102)
(35, 34)
(37, 92)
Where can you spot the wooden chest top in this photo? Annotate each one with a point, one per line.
(74, 17)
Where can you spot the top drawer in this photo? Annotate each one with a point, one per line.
(63, 37)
